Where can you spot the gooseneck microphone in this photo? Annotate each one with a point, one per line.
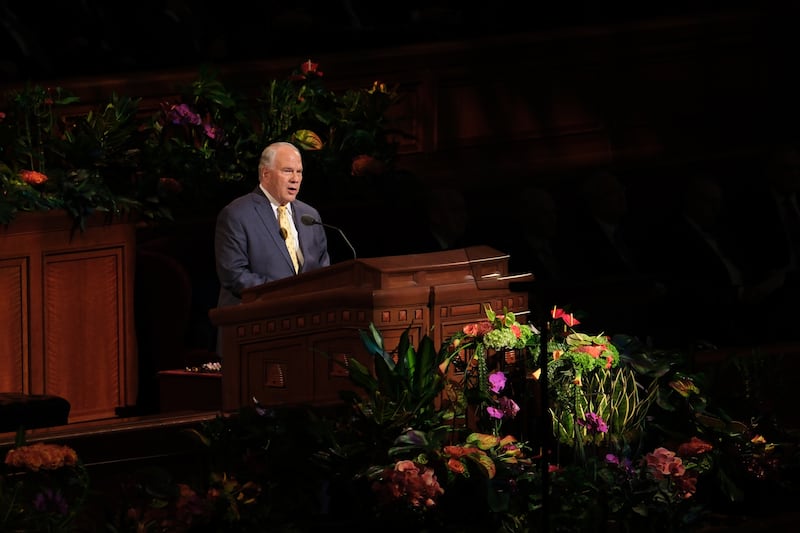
(308, 220)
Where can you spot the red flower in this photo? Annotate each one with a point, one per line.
(310, 68)
(568, 318)
(307, 69)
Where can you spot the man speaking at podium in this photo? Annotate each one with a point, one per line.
(259, 237)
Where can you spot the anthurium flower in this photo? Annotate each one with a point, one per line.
(568, 318)
(309, 67)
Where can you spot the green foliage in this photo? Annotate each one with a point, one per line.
(405, 383)
(200, 149)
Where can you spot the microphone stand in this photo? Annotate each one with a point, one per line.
(308, 220)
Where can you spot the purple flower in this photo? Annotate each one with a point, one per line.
(498, 381)
(625, 464)
(593, 423)
(183, 114)
(494, 412)
(509, 407)
(49, 501)
(211, 131)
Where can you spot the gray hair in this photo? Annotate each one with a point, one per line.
(268, 154)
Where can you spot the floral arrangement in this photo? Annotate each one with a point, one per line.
(628, 437)
(196, 150)
(478, 356)
(43, 489)
(82, 163)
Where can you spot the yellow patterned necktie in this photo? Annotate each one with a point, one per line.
(288, 236)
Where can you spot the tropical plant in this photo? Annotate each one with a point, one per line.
(82, 163)
(197, 151)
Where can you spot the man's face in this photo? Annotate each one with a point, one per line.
(282, 181)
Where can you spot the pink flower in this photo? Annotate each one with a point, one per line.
(408, 482)
(470, 329)
(498, 381)
(494, 412)
(663, 462)
(509, 407)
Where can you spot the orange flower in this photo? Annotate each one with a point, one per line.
(695, 446)
(456, 466)
(366, 165)
(41, 456)
(32, 177)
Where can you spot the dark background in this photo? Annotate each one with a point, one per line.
(43, 40)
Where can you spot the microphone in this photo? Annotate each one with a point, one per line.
(308, 220)
(284, 234)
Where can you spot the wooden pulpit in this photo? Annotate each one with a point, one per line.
(289, 341)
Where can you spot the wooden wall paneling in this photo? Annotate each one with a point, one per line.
(84, 330)
(14, 344)
(68, 323)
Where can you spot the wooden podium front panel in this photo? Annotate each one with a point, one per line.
(278, 372)
(331, 355)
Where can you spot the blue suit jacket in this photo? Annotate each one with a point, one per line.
(249, 249)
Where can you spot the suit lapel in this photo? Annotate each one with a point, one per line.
(264, 211)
